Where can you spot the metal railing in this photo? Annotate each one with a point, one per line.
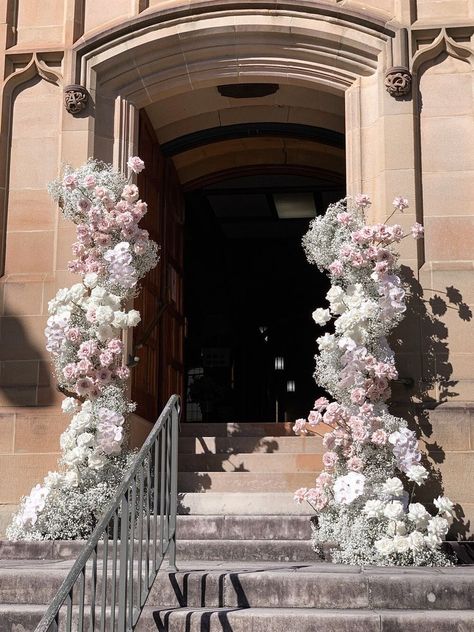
(107, 587)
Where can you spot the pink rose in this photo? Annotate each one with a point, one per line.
(130, 192)
(300, 494)
(84, 367)
(417, 231)
(73, 334)
(329, 440)
(358, 396)
(69, 371)
(106, 358)
(336, 268)
(299, 427)
(320, 403)
(115, 346)
(70, 181)
(379, 437)
(330, 459)
(136, 164)
(355, 464)
(84, 386)
(87, 349)
(104, 375)
(314, 418)
(123, 372)
(89, 181)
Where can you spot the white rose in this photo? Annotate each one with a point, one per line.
(373, 508)
(133, 318)
(416, 541)
(418, 514)
(432, 541)
(394, 510)
(417, 474)
(438, 526)
(91, 279)
(86, 439)
(321, 316)
(86, 407)
(400, 527)
(69, 405)
(104, 332)
(393, 487)
(326, 342)
(76, 292)
(335, 296)
(97, 460)
(81, 421)
(75, 456)
(385, 546)
(104, 315)
(67, 441)
(120, 320)
(444, 506)
(72, 478)
(98, 294)
(401, 544)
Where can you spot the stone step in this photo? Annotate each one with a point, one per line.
(278, 463)
(14, 618)
(258, 429)
(247, 482)
(246, 550)
(242, 445)
(268, 585)
(239, 503)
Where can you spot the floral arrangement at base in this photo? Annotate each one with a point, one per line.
(84, 337)
(363, 497)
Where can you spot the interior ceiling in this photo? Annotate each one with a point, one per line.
(206, 108)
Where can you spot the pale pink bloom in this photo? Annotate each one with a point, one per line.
(128, 232)
(106, 358)
(330, 459)
(299, 427)
(324, 479)
(84, 385)
(115, 346)
(125, 219)
(87, 349)
(356, 464)
(348, 451)
(78, 249)
(104, 375)
(400, 203)
(397, 232)
(130, 192)
(76, 267)
(84, 205)
(102, 239)
(362, 200)
(91, 314)
(104, 225)
(381, 267)
(84, 367)
(320, 403)
(344, 218)
(417, 231)
(300, 494)
(136, 164)
(70, 181)
(89, 181)
(123, 372)
(73, 334)
(341, 437)
(329, 440)
(379, 437)
(366, 408)
(360, 434)
(70, 371)
(358, 396)
(140, 210)
(336, 268)
(314, 418)
(317, 498)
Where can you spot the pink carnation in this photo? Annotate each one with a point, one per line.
(320, 403)
(400, 203)
(336, 268)
(73, 334)
(379, 437)
(358, 396)
(344, 218)
(417, 231)
(70, 181)
(89, 181)
(330, 459)
(136, 164)
(362, 200)
(355, 464)
(123, 372)
(115, 346)
(106, 358)
(300, 494)
(314, 418)
(299, 427)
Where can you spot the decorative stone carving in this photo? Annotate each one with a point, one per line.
(75, 98)
(398, 81)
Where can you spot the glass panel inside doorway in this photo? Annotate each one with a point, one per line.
(249, 294)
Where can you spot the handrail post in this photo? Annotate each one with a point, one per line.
(123, 579)
(173, 487)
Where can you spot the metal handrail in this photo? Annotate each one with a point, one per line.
(143, 512)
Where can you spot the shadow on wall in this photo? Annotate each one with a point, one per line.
(431, 372)
(25, 374)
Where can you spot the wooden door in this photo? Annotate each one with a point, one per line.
(160, 370)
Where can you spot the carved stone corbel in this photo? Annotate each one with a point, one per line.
(76, 98)
(398, 81)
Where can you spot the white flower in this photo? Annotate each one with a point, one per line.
(444, 506)
(394, 510)
(418, 514)
(75, 456)
(373, 508)
(335, 296)
(104, 315)
(401, 544)
(104, 332)
(438, 526)
(133, 318)
(393, 487)
(321, 316)
(81, 421)
(76, 292)
(96, 460)
(433, 541)
(71, 478)
(349, 487)
(91, 279)
(417, 474)
(85, 440)
(120, 320)
(326, 342)
(385, 546)
(416, 541)
(69, 405)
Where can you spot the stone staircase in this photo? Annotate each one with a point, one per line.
(244, 558)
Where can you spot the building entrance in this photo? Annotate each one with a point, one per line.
(249, 294)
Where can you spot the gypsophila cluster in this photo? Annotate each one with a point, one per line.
(84, 337)
(359, 498)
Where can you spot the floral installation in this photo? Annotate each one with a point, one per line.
(360, 497)
(84, 337)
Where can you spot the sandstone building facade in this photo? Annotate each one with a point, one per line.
(374, 96)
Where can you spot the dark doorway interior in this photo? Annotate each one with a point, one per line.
(248, 297)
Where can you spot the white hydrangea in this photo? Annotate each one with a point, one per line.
(393, 487)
